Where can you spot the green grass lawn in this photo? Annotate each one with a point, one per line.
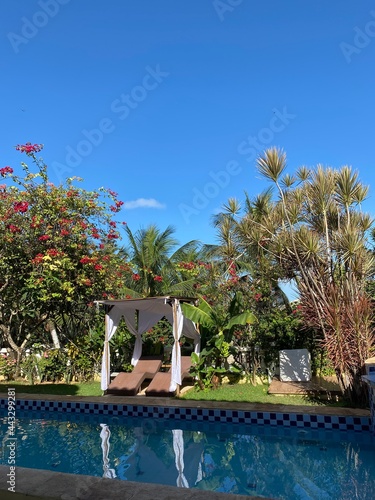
(255, 394)
(73, 389)
(237, 392)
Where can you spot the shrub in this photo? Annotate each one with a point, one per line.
(7, 367)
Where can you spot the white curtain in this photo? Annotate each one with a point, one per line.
(112, 319)
(146, 320)
(191, 331)
(130, 318)
(178, 321)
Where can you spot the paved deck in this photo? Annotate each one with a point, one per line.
(47, 485)
(318, 386)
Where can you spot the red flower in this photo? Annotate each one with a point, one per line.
(64, 232)
(113, 223)
(21, 206)
(85, 260)
(101, 246)
(112, 235)
(158, 278)
(29, 148)
(14, 229)
(38, 259)
(87, 282)
(6, 170)
(52, 252)
(257, 296)
(98, 267)
(45, 237)
(119, 204)
(136, 277)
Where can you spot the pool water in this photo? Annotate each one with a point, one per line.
(276, 462)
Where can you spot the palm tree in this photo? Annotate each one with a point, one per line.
(154, 261)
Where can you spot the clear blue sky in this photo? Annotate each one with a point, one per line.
(161, 100)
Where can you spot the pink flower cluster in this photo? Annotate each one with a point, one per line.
(6, 170)
(116, 208)
(29, 148)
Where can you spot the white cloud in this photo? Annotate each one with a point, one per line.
(142, 203)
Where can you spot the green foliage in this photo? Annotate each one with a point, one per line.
(7, 367)
(32, 368)
(277, 330)
(54, 365)
(158, 269)
(212, 362)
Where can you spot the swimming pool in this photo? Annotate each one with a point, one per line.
(296, 458)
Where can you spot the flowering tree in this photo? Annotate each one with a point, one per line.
(57, 249)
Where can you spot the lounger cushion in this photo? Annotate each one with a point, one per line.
(148, 365)
(159, 385)
(126, 384)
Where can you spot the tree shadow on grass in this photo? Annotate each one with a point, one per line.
(59, 389)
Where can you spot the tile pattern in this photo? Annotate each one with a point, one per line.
(371, 371)
(227, 416)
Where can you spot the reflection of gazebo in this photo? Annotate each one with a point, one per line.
(140, 315)
(143, 457)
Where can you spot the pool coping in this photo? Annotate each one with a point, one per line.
(43, 484)
(190, 403)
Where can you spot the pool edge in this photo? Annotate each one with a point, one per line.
(57, 485)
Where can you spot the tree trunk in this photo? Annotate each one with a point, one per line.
(54, 335)
(17, 350)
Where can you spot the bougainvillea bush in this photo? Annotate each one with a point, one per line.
(58, 250)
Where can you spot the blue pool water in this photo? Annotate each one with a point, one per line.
(277, 462)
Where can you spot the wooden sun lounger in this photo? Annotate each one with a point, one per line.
(159, 385)
(129, 384)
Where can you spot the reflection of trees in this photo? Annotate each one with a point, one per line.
(287, 468)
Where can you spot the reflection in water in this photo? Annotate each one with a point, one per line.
(105, 434)
(252, 460)
(178, 447)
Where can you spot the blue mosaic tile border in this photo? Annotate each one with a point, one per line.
(372, 407)
(291, 420)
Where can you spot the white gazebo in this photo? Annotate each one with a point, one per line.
(140, 315)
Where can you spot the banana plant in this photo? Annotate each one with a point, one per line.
(216, 330)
